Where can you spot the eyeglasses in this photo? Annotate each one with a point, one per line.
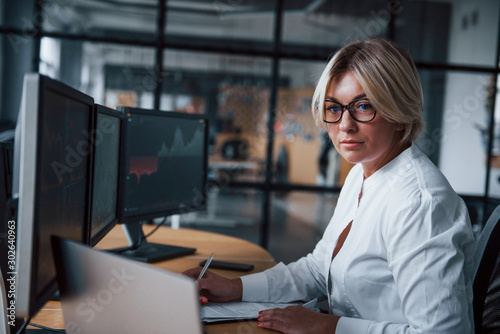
(360, 110)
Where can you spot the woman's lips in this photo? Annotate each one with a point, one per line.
(351, 143)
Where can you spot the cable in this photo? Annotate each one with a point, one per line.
(143, 238)
(48, 328)
(154, 230)
(23, 326)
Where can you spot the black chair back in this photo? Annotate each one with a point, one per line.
(486, 303)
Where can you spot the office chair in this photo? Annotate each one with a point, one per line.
(486, 286)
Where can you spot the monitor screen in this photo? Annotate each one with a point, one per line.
(105, 169)
(51, 182)
(164, 161)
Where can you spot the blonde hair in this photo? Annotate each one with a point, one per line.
(389, 78)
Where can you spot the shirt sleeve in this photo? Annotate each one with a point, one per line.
(429, 252)
(301, 280)
(255, 288)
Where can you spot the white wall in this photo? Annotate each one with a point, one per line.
(462, 155)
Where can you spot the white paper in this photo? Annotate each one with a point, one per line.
(240, 310)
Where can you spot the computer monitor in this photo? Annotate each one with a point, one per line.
(52, 160)
(106, 163)
(164, 172)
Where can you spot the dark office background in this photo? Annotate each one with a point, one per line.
(250, 66)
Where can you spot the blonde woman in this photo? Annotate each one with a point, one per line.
(397, 254)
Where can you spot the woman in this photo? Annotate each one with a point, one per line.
(396, 256)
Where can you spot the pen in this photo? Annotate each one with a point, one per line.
(205, 267)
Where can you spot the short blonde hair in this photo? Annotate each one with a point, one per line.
(389, 78)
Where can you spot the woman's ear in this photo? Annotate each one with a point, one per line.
(400, 127)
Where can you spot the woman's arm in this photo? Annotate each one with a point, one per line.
(430, 253)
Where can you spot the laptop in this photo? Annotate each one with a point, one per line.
(106, 293)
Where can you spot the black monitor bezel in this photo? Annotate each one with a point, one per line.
(47, 84)
(128, 111)
(94, 240)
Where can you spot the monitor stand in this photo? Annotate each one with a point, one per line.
(141, 250)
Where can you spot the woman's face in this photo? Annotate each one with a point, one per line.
(372, 144)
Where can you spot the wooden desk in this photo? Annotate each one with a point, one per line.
(226, 248)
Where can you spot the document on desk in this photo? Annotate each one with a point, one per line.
(213, 312)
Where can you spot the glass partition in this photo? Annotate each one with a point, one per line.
(449, 31)
(114, 75)
(462, 137)
(218, 61)
(299, 219)
(233, 91)
(303, 152)
(235, 212)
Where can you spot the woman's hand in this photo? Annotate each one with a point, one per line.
(216, 288)
(297, 319)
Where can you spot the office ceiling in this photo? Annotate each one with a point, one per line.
(215, 7)
(86, 15)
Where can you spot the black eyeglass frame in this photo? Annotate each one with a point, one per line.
(348, 107)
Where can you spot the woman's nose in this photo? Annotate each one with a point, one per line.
(347, 123)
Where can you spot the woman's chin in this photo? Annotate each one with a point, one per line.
(351, 158)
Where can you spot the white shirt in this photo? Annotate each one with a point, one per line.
(406, 265)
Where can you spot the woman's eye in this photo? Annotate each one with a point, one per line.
(365, 107)
(333, 109)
